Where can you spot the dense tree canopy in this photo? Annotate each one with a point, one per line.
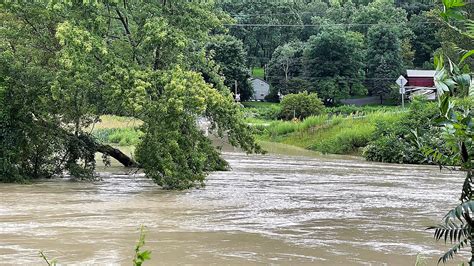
(64, 63)
(286, 63)
(384, 58)
(274, 29)
(334, 63)
(228, 52)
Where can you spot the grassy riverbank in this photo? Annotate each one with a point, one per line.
(344, 130)
(337, 134)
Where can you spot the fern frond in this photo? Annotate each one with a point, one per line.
(452, 251)
(459, 212)
(451, 231)
(470, 28)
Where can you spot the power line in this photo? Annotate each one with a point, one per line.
(337, 78)
(321, 25)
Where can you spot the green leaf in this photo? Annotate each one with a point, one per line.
(466, 55)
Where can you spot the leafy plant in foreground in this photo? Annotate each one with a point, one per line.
(457, 225)
(141, 256)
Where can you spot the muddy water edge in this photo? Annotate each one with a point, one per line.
(273, 209)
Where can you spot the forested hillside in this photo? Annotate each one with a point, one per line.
(342, 48)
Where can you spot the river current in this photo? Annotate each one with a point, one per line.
(270, 209)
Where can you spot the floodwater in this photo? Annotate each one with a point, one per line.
(271, 209)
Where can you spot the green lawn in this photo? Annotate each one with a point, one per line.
(257, 72)
(259, 104)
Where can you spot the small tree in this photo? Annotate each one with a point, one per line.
(301, 105)
(334, 60)
(384, 58)
(230, 55)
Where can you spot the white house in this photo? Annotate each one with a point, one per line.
(260, 89)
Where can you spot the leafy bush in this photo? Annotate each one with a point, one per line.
(262, 110)
(346, 141)
(301, 105)
(393, 142)
(120, 136)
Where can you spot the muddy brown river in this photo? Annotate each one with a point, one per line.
(272, 209)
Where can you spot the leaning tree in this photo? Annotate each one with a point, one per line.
(65, 62)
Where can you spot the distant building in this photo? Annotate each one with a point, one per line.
(421, 78)
(421, 82)
(260, 89)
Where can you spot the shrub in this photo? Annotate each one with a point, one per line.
(301, 105)
(346, 139)
(392, 141)
(120, 136)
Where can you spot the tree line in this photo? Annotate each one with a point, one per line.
(341, 48)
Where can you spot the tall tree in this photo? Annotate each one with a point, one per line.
(62, 60)
(230, 55)
(286, 63)
(424, 27)
(335, 57)
(384, 55)
(261, 26)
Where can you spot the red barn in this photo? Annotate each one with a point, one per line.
(421, 78)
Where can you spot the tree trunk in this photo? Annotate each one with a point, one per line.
(117, 155)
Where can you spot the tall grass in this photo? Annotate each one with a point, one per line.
(120, 136)
(113, 121)
(337, 134)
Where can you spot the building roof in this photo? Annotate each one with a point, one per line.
(259, 79)
(420, 73)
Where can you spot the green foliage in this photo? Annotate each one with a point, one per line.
(392, 142)
(301, 105)
(262, 110)
(334, 63)
(66, 63)
(424, 27)
(296, 85)
(285, 64)
(141, 256)
(345, 141)
(260, 42)
(229, 54)
(120, 136)
(174, 152)
(360, 110)
(457, 127)
(258, 72)
(329, 134)
(384, 58)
